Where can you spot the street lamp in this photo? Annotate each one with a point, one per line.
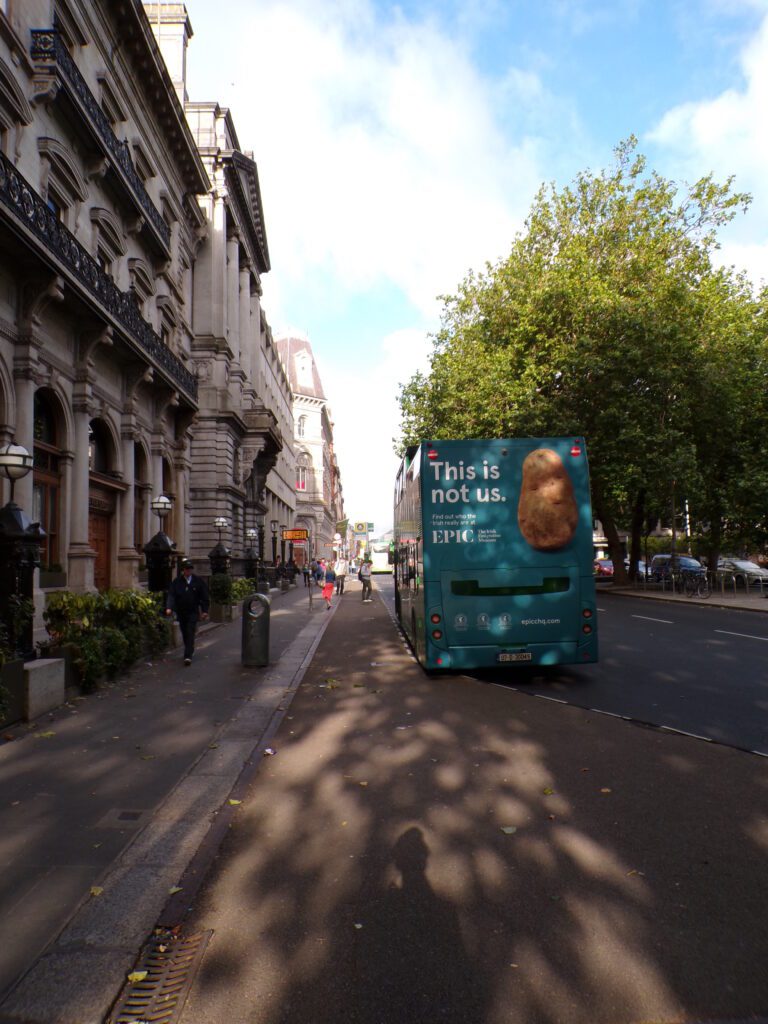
(159, 549)
(219, 555)
(19, 555)
(161, 507)
(250, 554)
(260, 521)
(273, 524)
(221, 523)
(15, 462)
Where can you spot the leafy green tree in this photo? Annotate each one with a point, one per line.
(591, 325)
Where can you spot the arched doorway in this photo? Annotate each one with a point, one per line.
(103, 490)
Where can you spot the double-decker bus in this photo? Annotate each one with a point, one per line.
(493, 553)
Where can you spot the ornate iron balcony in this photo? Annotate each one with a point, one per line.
(47, 47)
(27, 209)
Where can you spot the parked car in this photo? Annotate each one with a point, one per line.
(640, 566)
(662, 567)
(603, 567)
(748, 574)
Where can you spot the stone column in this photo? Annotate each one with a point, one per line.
(81, 555)
(244, 319)
(25, 406)
(233, 296)
(127, 555)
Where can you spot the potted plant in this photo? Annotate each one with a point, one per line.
(220, 591)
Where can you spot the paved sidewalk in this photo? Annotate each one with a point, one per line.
(719, 599)
(107, 800)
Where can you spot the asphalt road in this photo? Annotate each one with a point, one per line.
(698, 669)
(425, 849)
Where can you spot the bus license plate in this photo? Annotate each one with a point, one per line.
(514, 656)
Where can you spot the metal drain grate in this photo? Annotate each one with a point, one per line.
(171, 964)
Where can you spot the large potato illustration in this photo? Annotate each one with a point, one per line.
(547, 511)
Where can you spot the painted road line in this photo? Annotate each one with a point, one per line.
(747, 636)
(648, 618)
(682, 732)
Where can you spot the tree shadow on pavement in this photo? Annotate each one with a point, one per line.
(428, 850)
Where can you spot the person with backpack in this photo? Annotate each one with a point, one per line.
(329, 582)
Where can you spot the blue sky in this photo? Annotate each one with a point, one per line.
(401, 145)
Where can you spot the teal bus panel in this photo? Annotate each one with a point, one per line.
(493, 553)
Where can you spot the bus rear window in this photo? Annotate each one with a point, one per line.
(471, 588)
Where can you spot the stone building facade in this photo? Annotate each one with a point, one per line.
(135, 358)
(100, 228)
(241, 445)
(319, 495)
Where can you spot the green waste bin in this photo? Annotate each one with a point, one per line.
(255, 646)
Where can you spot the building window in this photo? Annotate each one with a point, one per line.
(301, 478)
(301, 426)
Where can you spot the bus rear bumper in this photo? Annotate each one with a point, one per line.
(473, 657)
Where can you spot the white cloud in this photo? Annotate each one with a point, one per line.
(384, 169)
(363, 400)
(726, 135)
(378, 152)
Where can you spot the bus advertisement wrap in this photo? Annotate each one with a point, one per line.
(493, 553)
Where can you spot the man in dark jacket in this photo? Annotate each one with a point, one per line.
(188, 597)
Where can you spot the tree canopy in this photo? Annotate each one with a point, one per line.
(608, 319)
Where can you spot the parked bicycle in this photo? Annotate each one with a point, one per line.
(696, 585)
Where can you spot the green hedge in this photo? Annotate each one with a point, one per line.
(108, 631)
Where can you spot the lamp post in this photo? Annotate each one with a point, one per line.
(19, 556)
(260, 521)
(159, 550)
(251, 555)
(219, 556)
(273, 524)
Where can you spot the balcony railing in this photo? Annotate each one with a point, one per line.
(47, 47)
(28, 209)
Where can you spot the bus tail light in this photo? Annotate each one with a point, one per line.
(586, 613)
(586, 628)
(434, 617)
(437, 634)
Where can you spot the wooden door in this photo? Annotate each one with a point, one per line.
(98, 538)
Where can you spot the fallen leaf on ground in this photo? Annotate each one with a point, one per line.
(174, 889)
(270, 752)
(362, 783)
(96, 890)
(234, 803)
(509, 830)
(358, 925)
(606, 790)
(148, 757)
(44, 735)
(548, 791)
(137, 975)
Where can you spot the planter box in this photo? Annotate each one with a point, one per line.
(12, 678)
(33, 688)
(222, 612)
(52, 579)
(43, 686)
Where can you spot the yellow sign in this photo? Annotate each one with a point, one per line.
(361, 527)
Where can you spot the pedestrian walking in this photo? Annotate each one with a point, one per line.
(365, 578)
(305, 573)
(320, 572)
(188, 597)
(341, 574)
(329, 583)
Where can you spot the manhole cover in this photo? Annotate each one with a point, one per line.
(158, 997)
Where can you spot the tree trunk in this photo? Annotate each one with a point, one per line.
(615, 549)
(638, 517)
